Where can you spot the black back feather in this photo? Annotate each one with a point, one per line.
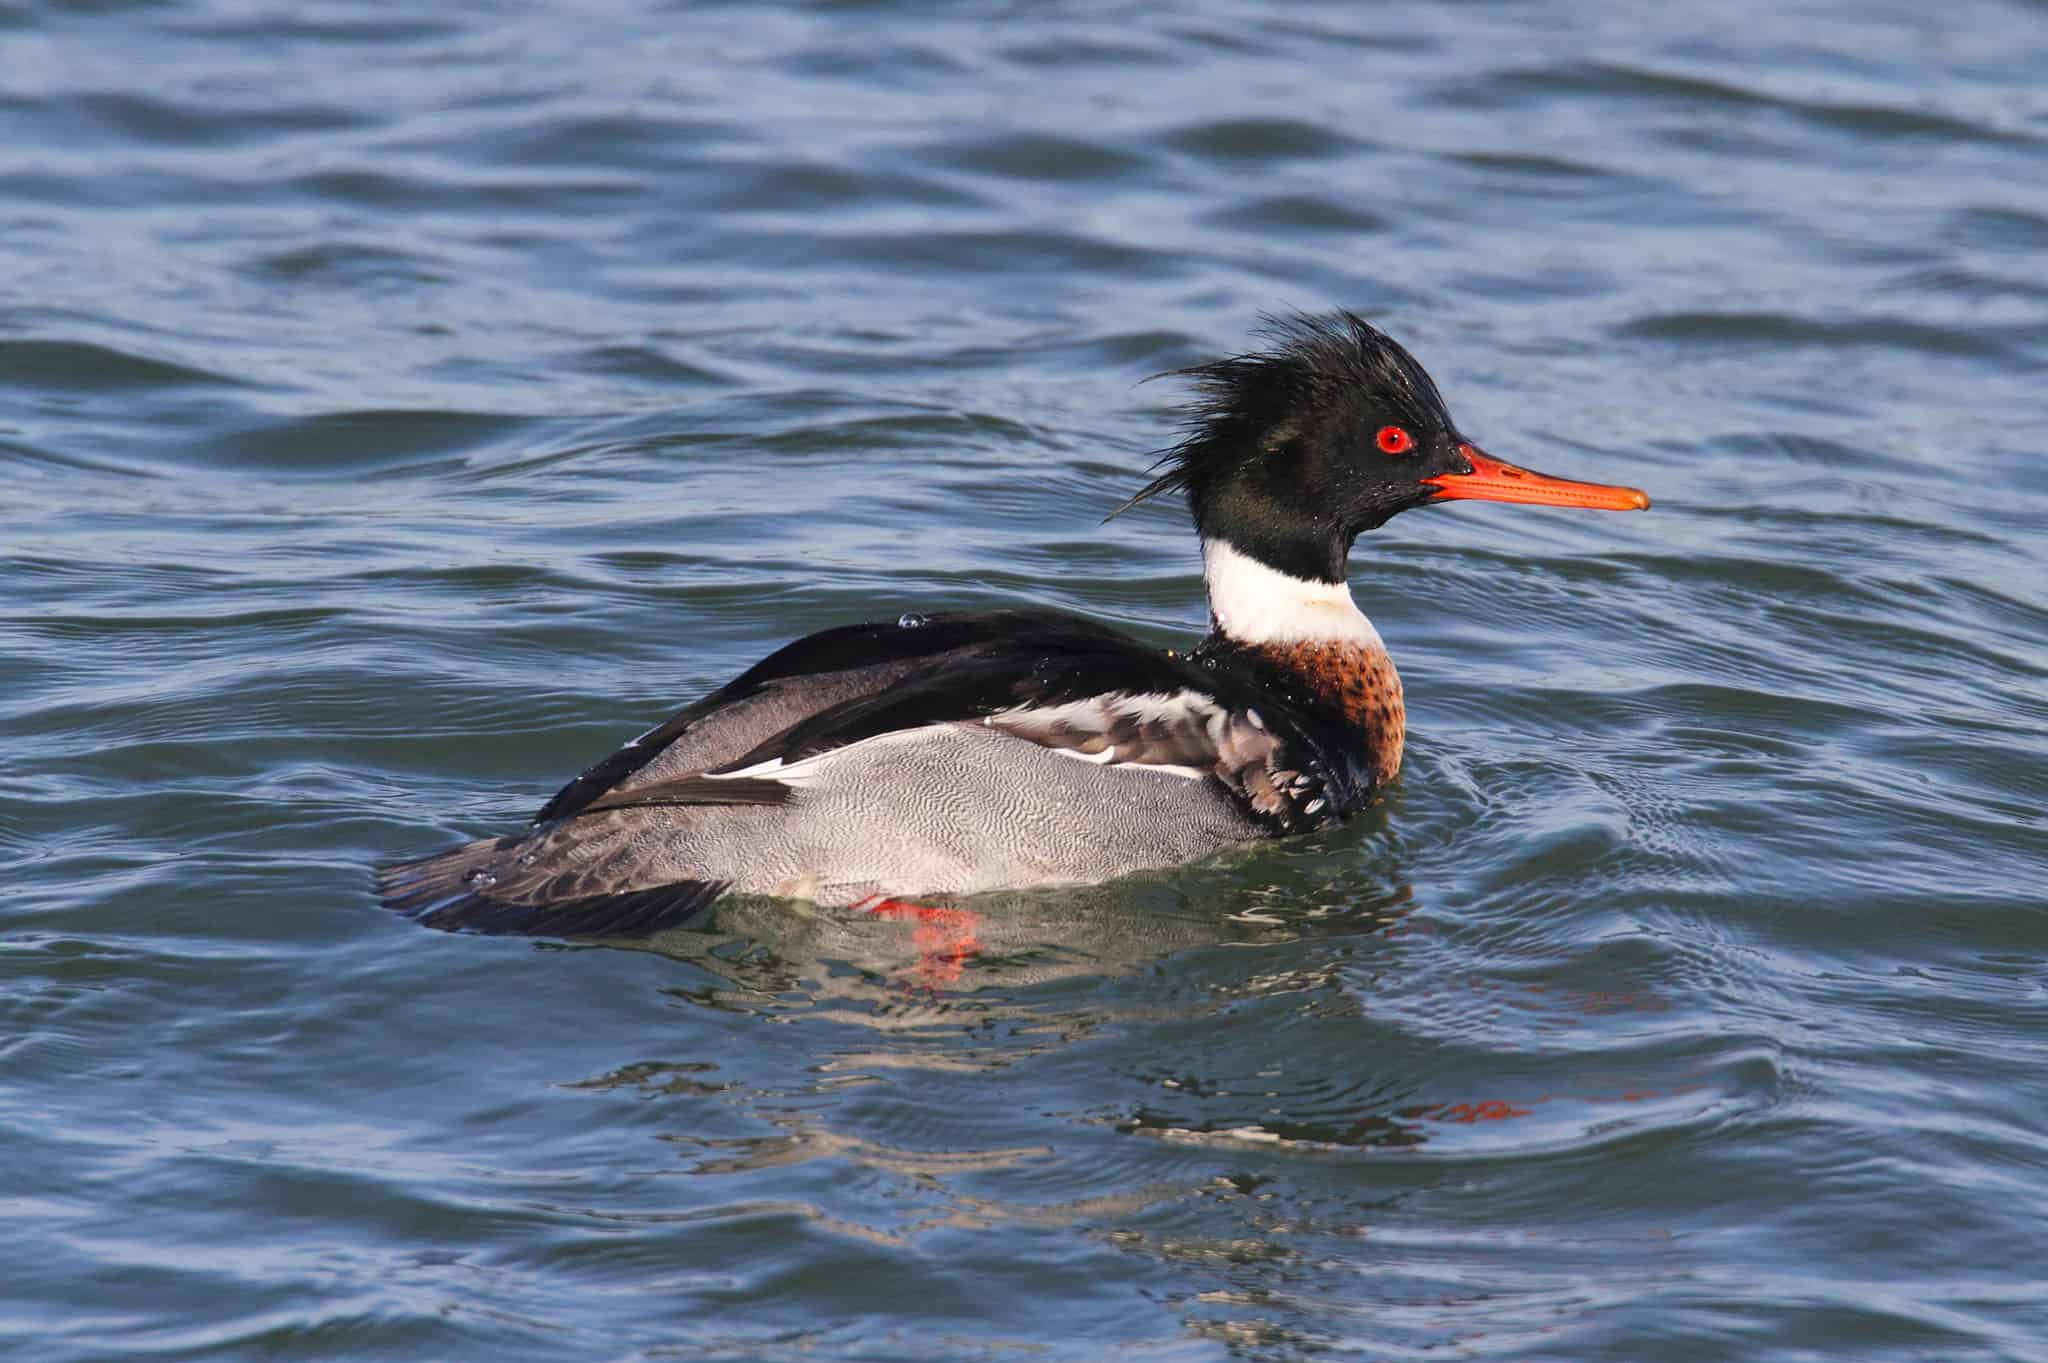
(875, 646)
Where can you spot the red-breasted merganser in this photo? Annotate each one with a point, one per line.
(953, 754)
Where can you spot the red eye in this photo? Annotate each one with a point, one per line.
(1394, 440)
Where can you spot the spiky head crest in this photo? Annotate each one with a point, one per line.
(1293, 450)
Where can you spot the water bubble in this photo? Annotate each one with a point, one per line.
(527, 858)
(479, 879)
(912, 620)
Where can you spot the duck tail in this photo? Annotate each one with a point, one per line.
(482, 887)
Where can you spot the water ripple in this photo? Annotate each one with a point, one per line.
(400, 411)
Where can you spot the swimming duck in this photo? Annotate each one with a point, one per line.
(951, 754)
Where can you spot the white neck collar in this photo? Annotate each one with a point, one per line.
(1255, 604)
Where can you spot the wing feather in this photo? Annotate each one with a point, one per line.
(798, 681)
(1106, 699)
(1187, 733)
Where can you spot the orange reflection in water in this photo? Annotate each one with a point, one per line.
(944, 937)
(1501, 1110)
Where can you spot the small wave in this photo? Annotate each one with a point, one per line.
(86, 366)
(1780, 328)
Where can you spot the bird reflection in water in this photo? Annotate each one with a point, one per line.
(939, 951)
(981, 984)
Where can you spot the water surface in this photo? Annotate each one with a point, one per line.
(400, 407)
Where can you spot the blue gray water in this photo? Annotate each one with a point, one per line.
(400, 405)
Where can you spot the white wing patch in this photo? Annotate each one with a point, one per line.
(797, 774)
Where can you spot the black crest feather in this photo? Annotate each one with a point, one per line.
(1314, 364)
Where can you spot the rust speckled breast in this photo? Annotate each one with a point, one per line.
(1361, 682)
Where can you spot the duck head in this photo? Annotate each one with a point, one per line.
(1293, 452)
